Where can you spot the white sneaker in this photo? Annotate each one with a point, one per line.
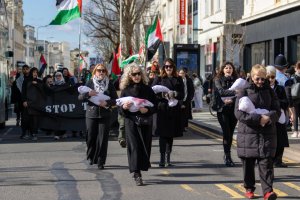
(295, 134)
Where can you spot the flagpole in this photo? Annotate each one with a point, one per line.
(120, 45)
(78, 69)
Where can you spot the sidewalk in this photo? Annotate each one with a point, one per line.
(210, 123)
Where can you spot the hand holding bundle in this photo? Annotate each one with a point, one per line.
(94, 99)
(170, 95)
(137, 103)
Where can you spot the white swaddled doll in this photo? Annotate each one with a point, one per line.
(238, 84)
(94, 99)
(160, 88)
(137, 103)
(246, 105)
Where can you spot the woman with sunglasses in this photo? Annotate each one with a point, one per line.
(282, 137)
(224, 100)
(256, 137)
(168, 118)
(138, 135)
(98, 115)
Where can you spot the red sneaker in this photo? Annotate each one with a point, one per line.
(270, 196)
(249, 195)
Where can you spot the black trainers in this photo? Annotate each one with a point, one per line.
(139, 181)
(122, 143)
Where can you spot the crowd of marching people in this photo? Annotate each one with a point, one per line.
(159, 101)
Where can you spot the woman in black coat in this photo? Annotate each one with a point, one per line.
(225, 108)
(32, 83)
(257, 138)
(189, 91)
(98, 116)
(138, 135)
(168, 118)
(282, 136)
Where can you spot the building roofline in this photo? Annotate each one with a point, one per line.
(282, 10)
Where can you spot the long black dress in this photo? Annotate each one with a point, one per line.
(97, 123)
(138, 138)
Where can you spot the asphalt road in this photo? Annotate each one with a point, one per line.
(49, 170)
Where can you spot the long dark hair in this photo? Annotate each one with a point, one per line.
(221, 70)
(31, 72)
(174, 72)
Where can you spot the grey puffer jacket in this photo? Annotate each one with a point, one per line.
(253, 140)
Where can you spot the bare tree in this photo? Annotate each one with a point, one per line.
(103, 22)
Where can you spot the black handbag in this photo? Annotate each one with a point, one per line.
(295, 90)
(143, 121)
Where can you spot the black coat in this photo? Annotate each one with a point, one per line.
(137, 157)
(282, 137)
(169, 118)
(221, 86)
(95, 111)
(253, 140)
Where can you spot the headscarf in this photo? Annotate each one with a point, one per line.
(59, 82)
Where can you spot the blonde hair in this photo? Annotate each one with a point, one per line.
(95, 69)
(126, 78)
(257, 69)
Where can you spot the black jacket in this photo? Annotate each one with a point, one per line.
(141, 91)
(220, 89)
(169, 118)
(95, 111)
(253, 140)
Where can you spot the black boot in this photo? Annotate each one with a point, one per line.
(162, 161)
(169, 160)
(228, 161)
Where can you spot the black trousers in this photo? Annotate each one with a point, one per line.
(297, 115)
(165, 144)
(266, 173)
(279, 154)
(139, 142)
(25, 121)
(97, 139)
(228, 122)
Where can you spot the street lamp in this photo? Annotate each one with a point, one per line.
(37, 32)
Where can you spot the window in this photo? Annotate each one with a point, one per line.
(218, 5)
(195, 6)
(212, 6)
(206, 8)
(277, 1)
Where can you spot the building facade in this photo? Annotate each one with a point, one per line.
(29, 46)
(16, 31)
(271, 29)
(59, 54)
(74, 60)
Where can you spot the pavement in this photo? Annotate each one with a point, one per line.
(211, 126)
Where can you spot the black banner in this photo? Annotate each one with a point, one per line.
(57, 108)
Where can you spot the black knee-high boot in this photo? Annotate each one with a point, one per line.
(169, 160)
(162, 161)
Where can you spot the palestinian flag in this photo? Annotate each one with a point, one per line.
(82, 63)
(129, 60)
(67, 11)
(153, 38)
(115, 68)
(42, 65)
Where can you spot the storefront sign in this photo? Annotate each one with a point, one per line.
(182, 12)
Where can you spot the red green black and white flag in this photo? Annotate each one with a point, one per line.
(153, 38)
(67, 11)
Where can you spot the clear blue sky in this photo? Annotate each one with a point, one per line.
(41, 12)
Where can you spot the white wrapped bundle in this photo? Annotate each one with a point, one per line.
(137, 103)
(239, 84)
(160, 88)
(94, 99)
(246, 105)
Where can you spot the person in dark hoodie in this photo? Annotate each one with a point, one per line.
(20, 83)
(32, 83)
(256, 137)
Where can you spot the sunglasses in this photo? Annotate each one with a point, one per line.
(169, 66)
(260, 79)
(270, 77)
(136, 74)
(101, 70)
